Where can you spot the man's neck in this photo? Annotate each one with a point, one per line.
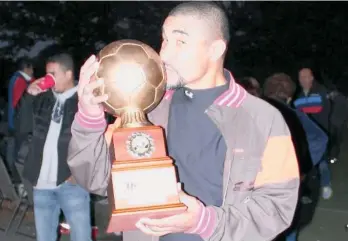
(306, 91)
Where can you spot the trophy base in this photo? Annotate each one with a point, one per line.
(143, 182)
(125, 219)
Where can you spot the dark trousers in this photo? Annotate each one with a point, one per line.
(12, 147)
(11, 156)
(336, 138)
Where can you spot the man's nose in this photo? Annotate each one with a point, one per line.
(163, 55)
(166, 53)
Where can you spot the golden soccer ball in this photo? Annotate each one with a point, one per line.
(134, 77)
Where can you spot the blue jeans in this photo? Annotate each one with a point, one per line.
(75, 204)
(325, 175)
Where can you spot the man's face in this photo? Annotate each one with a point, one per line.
(306, 78)
(184, 50)
(29, 71)
(61, 76)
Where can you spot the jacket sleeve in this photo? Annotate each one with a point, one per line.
(267, 209)
(88, 155)
(19, 88)
(316, 138)
(24, 118)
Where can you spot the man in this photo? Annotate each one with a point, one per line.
(45, 167)
(223, 140)
(17, 86)
(338, 118)
(313, 101)
(310, 140)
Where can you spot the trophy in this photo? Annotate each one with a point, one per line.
(143, 179)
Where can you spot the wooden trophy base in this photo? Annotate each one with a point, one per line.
(143, 186)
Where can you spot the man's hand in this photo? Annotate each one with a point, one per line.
(34, 89)
(90, 104)
(175, 224)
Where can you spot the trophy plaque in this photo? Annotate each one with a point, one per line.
(143, 179)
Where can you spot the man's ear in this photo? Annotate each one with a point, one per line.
(217, 49)
(69, 74)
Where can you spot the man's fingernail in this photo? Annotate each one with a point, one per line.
(100, 81)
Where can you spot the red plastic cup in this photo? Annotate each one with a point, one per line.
(47, 83)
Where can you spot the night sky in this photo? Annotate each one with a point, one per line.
(267, 37)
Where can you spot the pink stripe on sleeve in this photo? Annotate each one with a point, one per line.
(90, 122)
(206, 222)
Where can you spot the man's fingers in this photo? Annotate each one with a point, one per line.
(163, 222)
(88, 62)
(148, 231)
(89, 88)
(88, 73)
(85, 77)
(161, 230)
(34, 90)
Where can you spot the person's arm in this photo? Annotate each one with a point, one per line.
(88, 156)
(316, 138)
(24, 119)
(19, 88)
(269, 208)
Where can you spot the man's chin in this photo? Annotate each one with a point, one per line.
(57, 90)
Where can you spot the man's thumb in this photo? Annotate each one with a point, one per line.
(186, 199)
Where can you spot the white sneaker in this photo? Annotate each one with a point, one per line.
(326, 192)
(333, 160)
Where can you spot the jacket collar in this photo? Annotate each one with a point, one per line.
(25, 76)
(233, 97)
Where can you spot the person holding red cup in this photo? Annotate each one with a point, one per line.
(48, 82)
(42, 84)
(48, 113)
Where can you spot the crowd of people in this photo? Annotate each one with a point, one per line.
(243, 158)
(326, 109)
(316, 118)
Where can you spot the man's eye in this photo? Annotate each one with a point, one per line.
(180, 42)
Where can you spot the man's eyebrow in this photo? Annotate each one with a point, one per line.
(178, 31)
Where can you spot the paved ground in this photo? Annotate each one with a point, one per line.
(328, 224)
(331, 216)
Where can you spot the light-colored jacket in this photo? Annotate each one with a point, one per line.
(260, 177)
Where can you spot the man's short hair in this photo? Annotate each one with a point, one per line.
(24, 63)
(280, 86)
(64, 59)
(213, 14)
